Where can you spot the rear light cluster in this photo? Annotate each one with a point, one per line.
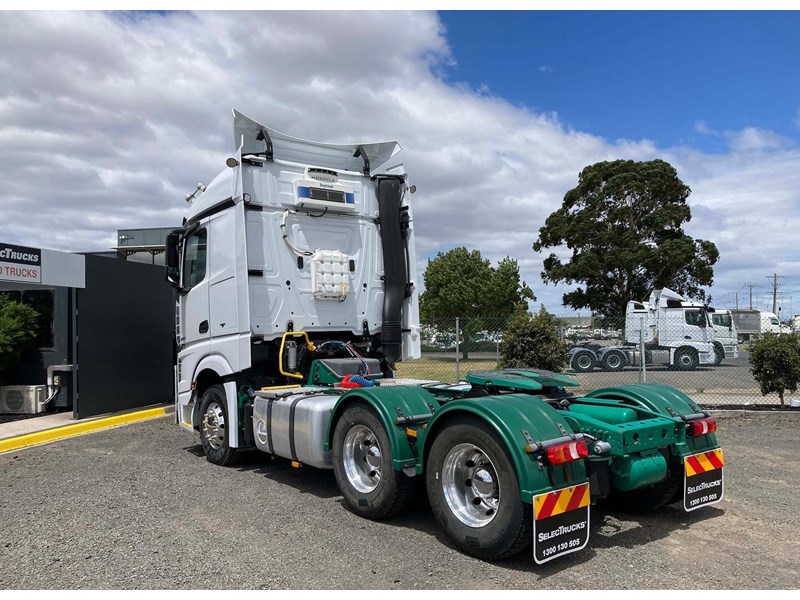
(567, 452)
(701, 427)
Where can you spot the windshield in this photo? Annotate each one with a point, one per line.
(774, 321)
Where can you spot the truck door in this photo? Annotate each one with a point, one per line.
(696, 327)
(194, 325)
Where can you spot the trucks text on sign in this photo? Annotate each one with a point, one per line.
(19, 263)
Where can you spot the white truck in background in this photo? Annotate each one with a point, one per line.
(751, 321)
(725, 335)
(675, 332)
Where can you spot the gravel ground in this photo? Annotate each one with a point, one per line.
(138, 507)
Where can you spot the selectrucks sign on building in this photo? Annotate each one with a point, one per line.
(19, 263)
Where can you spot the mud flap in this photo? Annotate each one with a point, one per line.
(703, 482)
(560, 522)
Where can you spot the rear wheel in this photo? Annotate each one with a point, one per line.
(362, 464)
(214, 426)
(474, 493)
(583, 361)
(613, 361)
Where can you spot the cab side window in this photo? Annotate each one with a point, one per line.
(694, 317)
(194, 259)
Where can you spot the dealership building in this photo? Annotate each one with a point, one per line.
(105, 335)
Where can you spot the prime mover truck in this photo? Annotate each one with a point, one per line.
(671, 329)
(295, 271)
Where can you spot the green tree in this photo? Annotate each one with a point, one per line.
(533, 342)
(775, 363)
(623, 224)
(460, 283)
(18, 323)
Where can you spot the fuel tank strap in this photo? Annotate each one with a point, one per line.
(269, 425)
(292, 410)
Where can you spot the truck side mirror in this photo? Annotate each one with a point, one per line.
(173, 258)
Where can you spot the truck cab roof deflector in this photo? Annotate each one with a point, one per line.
(340, 157)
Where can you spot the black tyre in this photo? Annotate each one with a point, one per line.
(650, 498)
(686, 359)
(719, 353)
(613, 361)
(474, 493)
(214, 427)
(583, 361)
(362, 464)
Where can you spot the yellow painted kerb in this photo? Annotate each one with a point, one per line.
(58, 433)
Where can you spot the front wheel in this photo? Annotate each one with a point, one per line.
(719, 353)
(362, 465)
(214, 426)
(685, 359)
(474, 492)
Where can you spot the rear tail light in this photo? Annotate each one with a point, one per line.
(701, 427)
(567, 452)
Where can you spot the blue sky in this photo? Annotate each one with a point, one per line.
(654, 75)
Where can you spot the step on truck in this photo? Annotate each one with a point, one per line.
(295, 271)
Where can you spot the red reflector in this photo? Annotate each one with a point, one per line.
(567, 452)
(702, 427)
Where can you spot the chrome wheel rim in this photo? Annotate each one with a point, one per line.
(214, 425)
(584, 362)
(470, 485)
(613, 361)
(362, 458)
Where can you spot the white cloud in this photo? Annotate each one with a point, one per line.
(753, 139)
(106, 121)
(546, 69)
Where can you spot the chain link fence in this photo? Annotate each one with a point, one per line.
(709, 362)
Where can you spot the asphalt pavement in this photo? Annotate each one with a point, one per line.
(138, 507)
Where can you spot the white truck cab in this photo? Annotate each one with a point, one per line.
(292, 236)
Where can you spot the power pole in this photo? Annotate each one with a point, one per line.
(775, 278)
(751, 286)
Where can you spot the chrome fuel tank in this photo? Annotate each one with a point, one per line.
(293, 424)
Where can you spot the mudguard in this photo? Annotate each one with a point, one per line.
(391, 403)
(510, 415)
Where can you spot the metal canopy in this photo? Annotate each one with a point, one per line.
(259, 139)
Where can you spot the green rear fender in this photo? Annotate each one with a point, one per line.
(665, 400)
(386, 401)
(509, 415)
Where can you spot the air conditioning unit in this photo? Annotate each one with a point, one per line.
(23, 399)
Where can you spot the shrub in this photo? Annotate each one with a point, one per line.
(533, 342)
(17, 334)
(775, 363)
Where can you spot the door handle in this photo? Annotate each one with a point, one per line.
(203, 327)
(686, 337)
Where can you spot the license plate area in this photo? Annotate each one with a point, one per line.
(560, 522)
(703, 481)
